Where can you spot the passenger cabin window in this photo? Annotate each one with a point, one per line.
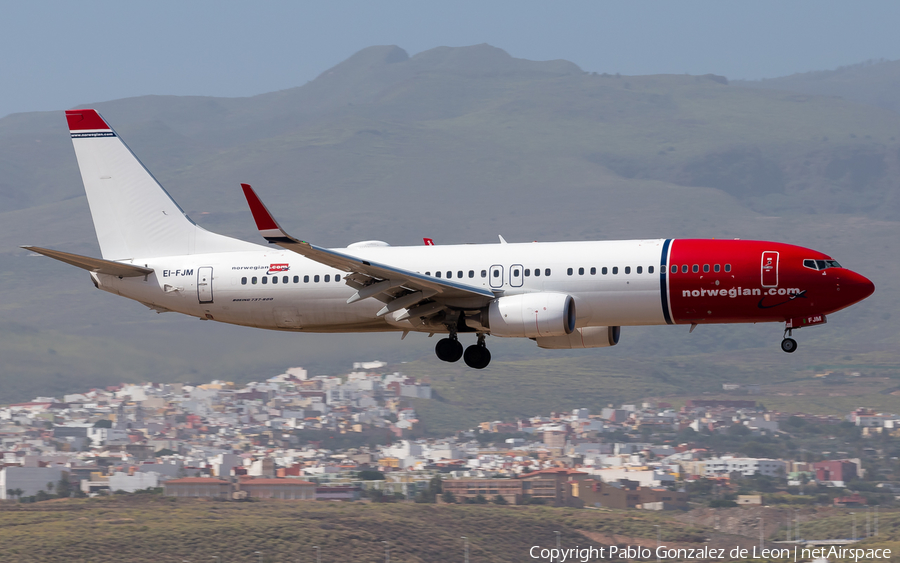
(649, 269)
(328, 277)
(569, 271)
(285, 279)
(427, 273)
(472, 273)
(305, 279)
(695, 268)
(546, 271)
(674, 269)
(274, 279)
(639, 270)
(580, 271)
(296, 279)
(265, 280)
(337, 278)
(706, 268)
(484, 273)
(627, 269)
(515, 272)
(496, 273)
(449, 274)
(437, 274)
(615, 270)
(727, 267)
(527, 272)
(604, 270)
(244, 281)
(537, 272)
(716, 268)
(253, 280)
(459, 274)
(684, 268)
(593, 271)
(316, 279)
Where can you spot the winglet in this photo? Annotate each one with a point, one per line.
(428, 241)
(265, 222)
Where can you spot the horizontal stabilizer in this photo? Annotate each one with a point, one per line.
(97, 265)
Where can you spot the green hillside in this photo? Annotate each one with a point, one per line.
(459, 145)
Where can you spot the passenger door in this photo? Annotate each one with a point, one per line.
(496, 276)
(204, 284)
(769, 268)
(516, 278)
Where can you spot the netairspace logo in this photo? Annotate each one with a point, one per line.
(705, 553)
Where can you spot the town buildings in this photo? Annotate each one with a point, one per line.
(264, 440)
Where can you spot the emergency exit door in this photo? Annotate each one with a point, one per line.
(204, 284)
(769, 269)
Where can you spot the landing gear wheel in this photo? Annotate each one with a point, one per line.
(477, 356)
(789, 345)
(448, 349)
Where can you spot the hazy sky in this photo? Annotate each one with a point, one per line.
(60, 54)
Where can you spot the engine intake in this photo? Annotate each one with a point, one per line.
(532, 315)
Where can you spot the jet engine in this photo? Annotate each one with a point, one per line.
(587, 337)
(532, 315)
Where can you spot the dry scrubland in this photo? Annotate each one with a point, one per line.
(153, 528)
(126, 528)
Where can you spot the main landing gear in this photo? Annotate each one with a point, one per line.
(789, 345)
(476, 356)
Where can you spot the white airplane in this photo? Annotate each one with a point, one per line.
(562, 295)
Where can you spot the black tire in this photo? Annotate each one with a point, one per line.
(477, 357)
(789, 345)
(448, 350)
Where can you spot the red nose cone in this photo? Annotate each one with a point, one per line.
(855, 287)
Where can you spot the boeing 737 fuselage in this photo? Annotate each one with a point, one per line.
(562, 295)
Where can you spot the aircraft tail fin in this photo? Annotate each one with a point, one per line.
(133, 214)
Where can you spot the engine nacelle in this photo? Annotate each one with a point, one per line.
(587, 337)
(532, 315)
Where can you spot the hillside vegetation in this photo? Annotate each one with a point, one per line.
(457, 144)
(125, 528)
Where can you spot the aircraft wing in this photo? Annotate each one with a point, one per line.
(97, 265)
(398, 288)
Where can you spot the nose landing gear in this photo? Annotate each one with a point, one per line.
(789, 345)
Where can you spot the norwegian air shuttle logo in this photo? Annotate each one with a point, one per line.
(275, 268)
(768, 295)
(790, 297)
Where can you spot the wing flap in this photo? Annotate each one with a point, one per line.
(97, 265)
(388, 283)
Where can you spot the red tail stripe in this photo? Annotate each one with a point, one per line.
(81, 119)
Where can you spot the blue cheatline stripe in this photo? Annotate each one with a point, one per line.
(93, 134)
(663, 272)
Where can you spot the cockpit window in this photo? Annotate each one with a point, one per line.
(821, 264)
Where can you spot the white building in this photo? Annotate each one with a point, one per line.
(130, 483)
(745, 466)
(646, 478)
